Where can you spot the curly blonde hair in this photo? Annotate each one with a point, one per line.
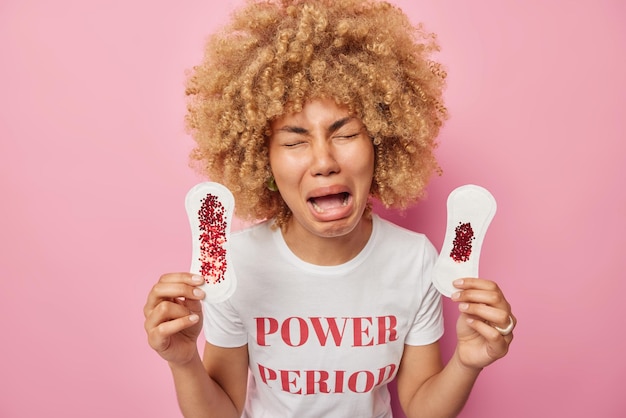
(277, 54)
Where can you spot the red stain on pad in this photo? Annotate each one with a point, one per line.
(462, 244)
(212, 239)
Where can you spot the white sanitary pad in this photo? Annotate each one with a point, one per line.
(210, 207)
(470, 211)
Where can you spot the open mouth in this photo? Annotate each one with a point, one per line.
(323, 204)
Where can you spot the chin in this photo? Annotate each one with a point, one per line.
(339, 228)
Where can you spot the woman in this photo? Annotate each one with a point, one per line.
(307, 110)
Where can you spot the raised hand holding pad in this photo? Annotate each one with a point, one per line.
(470, 211)
(210, 207)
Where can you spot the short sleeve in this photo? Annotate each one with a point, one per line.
(223, 326)
(428, 325)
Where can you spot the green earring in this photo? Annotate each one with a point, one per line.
(271, 184)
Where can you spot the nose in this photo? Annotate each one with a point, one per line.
(324, 161)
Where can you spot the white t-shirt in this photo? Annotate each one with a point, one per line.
(324, 341)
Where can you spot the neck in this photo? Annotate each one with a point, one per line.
(328, 251)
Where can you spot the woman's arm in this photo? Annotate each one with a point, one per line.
(425, 388)
(214, 386)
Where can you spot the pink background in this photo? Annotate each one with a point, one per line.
(94, 171)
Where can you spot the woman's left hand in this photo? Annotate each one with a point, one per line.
(485, 327)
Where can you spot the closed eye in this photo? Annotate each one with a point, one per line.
(292, 144)
(347, 137)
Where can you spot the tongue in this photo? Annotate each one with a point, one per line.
(329, 202)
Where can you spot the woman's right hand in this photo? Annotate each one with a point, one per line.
(173, 316)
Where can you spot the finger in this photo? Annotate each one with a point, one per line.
(476, 283)
(191, 305)
(488, 294)
(181, 277)
(168, 289)
(166, 311)
(483, 297)
(494, 316)
(159, 337)
(498, 343)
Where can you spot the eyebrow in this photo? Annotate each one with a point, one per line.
(302, 131)
(338, 124)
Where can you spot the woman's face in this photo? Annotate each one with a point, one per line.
(323, 162)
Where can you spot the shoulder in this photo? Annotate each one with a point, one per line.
(394, 241)
(250, 244)
(255, 233)
(389, 232)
